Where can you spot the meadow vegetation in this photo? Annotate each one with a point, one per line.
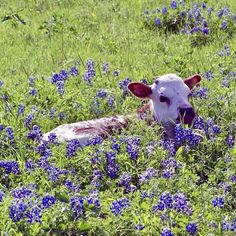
(66, 61)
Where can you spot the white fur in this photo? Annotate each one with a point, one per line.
(176, 90)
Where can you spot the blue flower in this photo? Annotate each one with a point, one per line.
(101, 93)
(60, 87)
(70, 185)
(90, 72)
(164, 10)
(77, 206)
(2, 194)
(180, 204)
(33, 92)
(21, 109)
(139, 226)
(191, 228)
(105, 68)
(48, 201)
(218, 202)
(74, 71)
(145, 176)
(111, 102)
(158, 22)
(72, 147)
(224, 25)
(174, 4)
(28, 120)
(17, 211)
(230, 140)
(35, 134)
(10, 167)
(22, 192)
(1, 83)
(116, 73)
(123, 85)
(118, 206)
(166, 232)
(29, 165)
(34, 214)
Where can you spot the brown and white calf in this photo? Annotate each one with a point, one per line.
(168, 101)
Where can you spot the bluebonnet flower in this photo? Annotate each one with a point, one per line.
(93, 199)
(96, 178)
(34, 214)
(105, 68)
(43, 162)
(111, 102)
(35, 134)
(166, 200)
(125, 180)
(230, 140)
(62, 115)
(218, 202)
(223, 12)
(31, 81)
(203, 5)
(224, 25)
(174, 4)
(164, 10)
(209, 10)
(101, 93)
(77, 206)
(63, 75)
(206, 30)
(72, 147)
(5, 97)
(158, 22)
(96, 140)
(191, 228)
(169, 167)
(209, 75)
(116, 73)
(9, 134)
(147, 175)
(180, 204)
(169, 146)
(21, 192)
(53, 172)
(17, 210)
(28, 120)
(200, 92)
(52, 138)
(90, 72)
(52, 112)
(198, 123)
(33, 92)
(74, 71)
(2, 127)
(10, 167)
(112, 167)
(21, 109)
(139, 226)
(118, 206)
(132, 147)
(29, 165)
(166, 232)
(2, 194)
(123, 85)
(48, 201)
(72, 186)
(60, 87)
(1, 83)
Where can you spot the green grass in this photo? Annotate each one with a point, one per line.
(42, 37)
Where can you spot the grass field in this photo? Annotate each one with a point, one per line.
(66, 61)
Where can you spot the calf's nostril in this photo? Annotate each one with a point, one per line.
(187, 115)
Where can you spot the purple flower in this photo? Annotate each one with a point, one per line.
(28, 120)
(123, 85)
(33, 92)
(218, 202)
(132, 147)
(34, 214)
(72, 147)
(118, 206)
(206, 30)
(112, 167)
(180, 204)
(166, 232)
(125, 181)
(174, 4)
(35, 134)
(10, 167)
(111, 102)
(74, 71)
(2, 194)
(29, 165)
(116, 73)
(21, 109)
(158, 22)
(90, 72)
(77, 206)
(60, 87)
(105, 68)
(191, 228)
(101, 93)
(1, 83)
(139, 227)
(145, 176)
(48, 201)
(224, 25)
(164, 10)
(230, 140)
(17, 211)
(22, 192)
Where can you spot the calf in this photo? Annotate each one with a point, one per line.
(168, 101)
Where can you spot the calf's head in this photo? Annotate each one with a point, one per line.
(168, 97)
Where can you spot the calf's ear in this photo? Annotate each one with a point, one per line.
(192, 80)
(140, 90)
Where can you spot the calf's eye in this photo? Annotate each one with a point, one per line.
(164, 99)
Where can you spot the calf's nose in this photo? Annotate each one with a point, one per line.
(186, 115)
